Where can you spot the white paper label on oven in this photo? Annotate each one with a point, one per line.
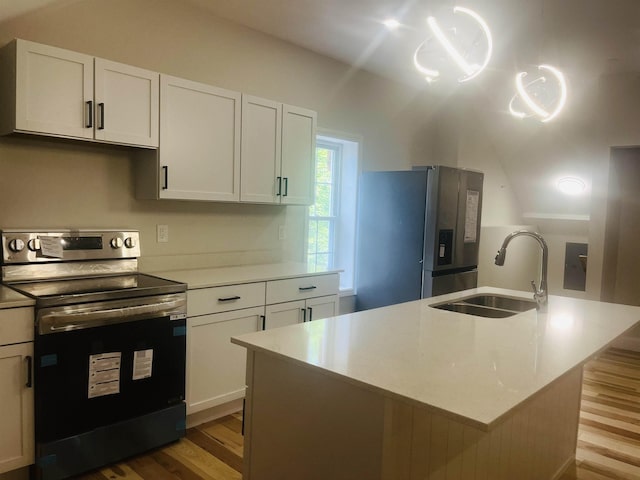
(51, 247)
(142, 364)
(104, 374)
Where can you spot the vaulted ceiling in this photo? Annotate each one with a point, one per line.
(586, 38)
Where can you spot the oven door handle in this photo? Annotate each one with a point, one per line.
(55, 322)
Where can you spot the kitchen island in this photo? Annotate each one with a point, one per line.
(413, 392)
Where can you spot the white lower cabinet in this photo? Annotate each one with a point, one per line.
(301, 299)
(290, 313)
(283, 314)
(215, 366)
(16, 389)
(322, 307)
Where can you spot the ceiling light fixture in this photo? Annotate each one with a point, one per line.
(571, 185)
(461, 44)
(542, 98)
(391, 23)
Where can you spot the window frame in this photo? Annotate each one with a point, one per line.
(354, 145)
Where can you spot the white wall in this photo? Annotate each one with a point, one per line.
(601, 112)
(522, 262)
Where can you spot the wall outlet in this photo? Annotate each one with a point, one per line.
(282, 232)
(163, 233)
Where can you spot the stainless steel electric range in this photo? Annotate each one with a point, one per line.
(110, 347)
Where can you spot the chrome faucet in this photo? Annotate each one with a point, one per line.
(539, 295)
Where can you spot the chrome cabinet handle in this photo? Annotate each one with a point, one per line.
(286, 187)
(279, 180)
(310, 314)
(304, 314)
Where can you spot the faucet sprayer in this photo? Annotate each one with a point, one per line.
(539, 295)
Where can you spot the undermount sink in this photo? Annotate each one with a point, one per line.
(488, 305)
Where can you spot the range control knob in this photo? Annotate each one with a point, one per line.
(129, 242)
(116, 242)
(34, 244)
(16, 245)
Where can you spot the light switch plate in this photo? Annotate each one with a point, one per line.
(163, 233)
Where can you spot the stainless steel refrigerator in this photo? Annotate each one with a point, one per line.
(418, 234)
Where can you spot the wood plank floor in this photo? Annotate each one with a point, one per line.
(608, 438)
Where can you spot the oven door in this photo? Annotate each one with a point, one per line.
(107, 364)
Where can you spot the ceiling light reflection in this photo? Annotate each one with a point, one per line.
(561, 321)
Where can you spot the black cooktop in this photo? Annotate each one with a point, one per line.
(81, 290)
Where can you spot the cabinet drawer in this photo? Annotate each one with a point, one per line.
(16, 325)
(301, 288)
(223, 299)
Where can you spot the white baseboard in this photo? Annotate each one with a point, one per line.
(213, 413)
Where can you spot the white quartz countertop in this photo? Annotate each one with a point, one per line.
(215, 277)
(9, 298)
(471, 368)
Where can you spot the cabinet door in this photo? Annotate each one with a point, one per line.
(322, 307)
(216, 367)
(298, 154)
(126, 104)
(54, 91)
(16, 414)
(260, 179)
(283, 314)
(199, 141)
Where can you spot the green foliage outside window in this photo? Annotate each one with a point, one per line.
(321, 214)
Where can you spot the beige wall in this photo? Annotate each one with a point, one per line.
(601, 112)
(72, 184)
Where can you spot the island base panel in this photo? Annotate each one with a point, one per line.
(301, 423)
(537, 441)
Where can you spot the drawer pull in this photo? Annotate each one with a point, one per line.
(304, 314)
(310, 287)
(229, 299)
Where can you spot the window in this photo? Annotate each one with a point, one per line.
(331, 220)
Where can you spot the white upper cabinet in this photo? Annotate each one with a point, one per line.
(298, 153)
(261, 150)
(278, 150)
(199, 141)
(52, 92)
(126, 104)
